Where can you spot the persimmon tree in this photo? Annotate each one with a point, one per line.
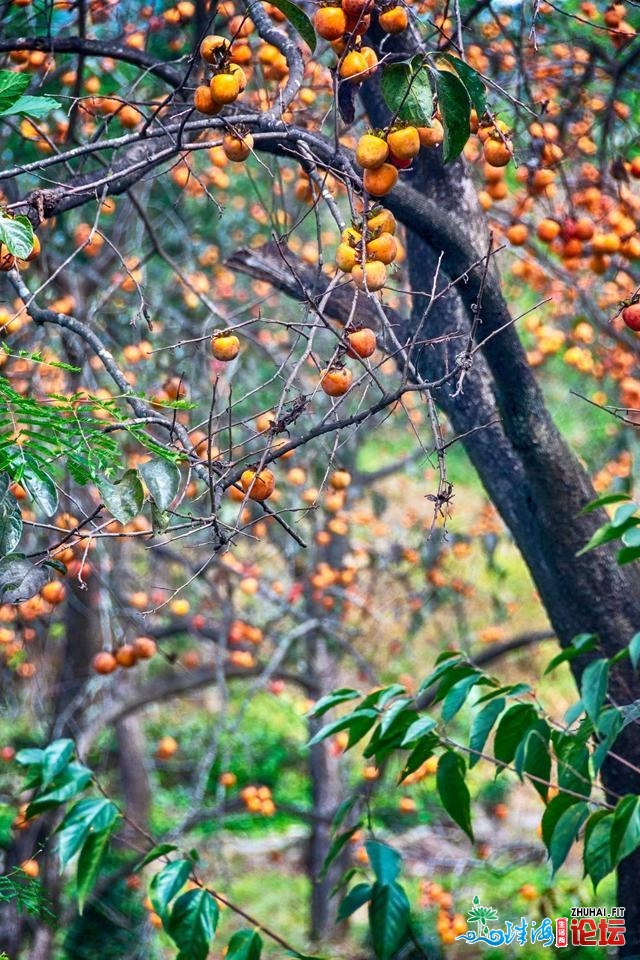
(237, 233)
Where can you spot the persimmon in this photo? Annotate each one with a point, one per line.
(225, 346)
(330, 22)
(404, 142)
(340, 479)
(104, 662)
(35, 250)
(548, 230)
(517, 234)
(393, 19)
(166, 748)
(203, 101)
(225, 87)
(237, 148)
(381, 220)
(145, 648)
(335, 381)
(634, 167)
(353, 67)
(370, 58)
(53, 592)
(383, 248)
(631, 317)
(431, 136)
(380, 181)
(362, 343)
(346, 257)
(371, 275)
(126, 656)
(213, 47)
(258, 486)
(496, 152)
(372, 151)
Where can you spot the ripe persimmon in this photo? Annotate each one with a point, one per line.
(213, 46)
(104, 662)
(335, 381)
(144, 648)
(237, 148)
(258, 486)
(383, 248)
(346, 257)
(380, 181)
(393, 19)
(362, 343)
(225, 346)
(126, 656)
(404, 142)
(431, 136)
(372, 151)
(330, 22)
(225, 87)
(372, 275)
(631, 317)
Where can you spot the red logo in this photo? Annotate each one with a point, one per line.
(562, 932)
(591, 932)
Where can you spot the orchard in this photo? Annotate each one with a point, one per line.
(319, 399)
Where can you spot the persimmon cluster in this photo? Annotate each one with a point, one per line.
(344, 24)
(367, 248)
(227, 80)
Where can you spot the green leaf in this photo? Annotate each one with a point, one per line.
(192, 924)
(390, 716)
(453, 790)
(167, 883)
(385, 861)
(338, 844)
(30, 757)
(565, 832)
(470, 78)
(124, 499)
(89, 863)
(422, 751)
(12, 86)
(389, 913)
(632, 537)
(324, 704)
(572, 761)
(160, 850)
(634, 650)
(511, 729)
(40, 487)
(407, 92)
(447, 661)
(417, 730)
(55, 758)
(71, 781)
(627, 554)
(605, 534)
(244, 945)
(481, 727)
(458, 694)
(605, 501)
(162, 478)
(343, 810)
(357, 723)
(31, 107)
(593, 687)
(536, 757)
(622, 514)
(583, 643)
(16, 233)
(356, 898)
(85, 817)
(625, 829)
(299, 20)
(455, 109)
(597, 846)
(380, 698)
(610, 723)
(553, 811)
(10, 524)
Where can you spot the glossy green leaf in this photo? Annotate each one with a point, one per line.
(553, 811)
(324, 704)
(299, 20)
(356, 898)
(605, 534)
(357, 723)
(124, 499)
(85, 817)
(566, 831)
(244, 945)
(12, 86)
(389, 913)
(535, 757)
(597, 846)
(455, 110)
(593, 687)
(385, 861)
(417, 730)
(583, 643)
(459, 694)
(470, 78)
(625, 829)
(407, 92)
(89, 862)
(604, 501)
(72, 781)
(192, 924)
(31, 107)
(10, 524)
(162, 478)
(634, 650)
(481, 727)
(338, 844)
(16, 233)
(167, 883)
(511, 729)
(20, 579)
(160, 850)
(453, 791)
(55, 758)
